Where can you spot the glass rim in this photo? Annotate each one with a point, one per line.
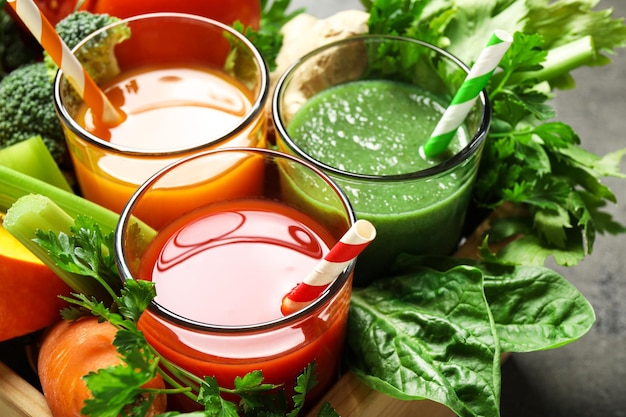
(255, 110)
(168, 315)
(457, 159)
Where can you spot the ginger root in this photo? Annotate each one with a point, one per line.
(305, 33)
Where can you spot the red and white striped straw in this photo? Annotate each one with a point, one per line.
(61, 54)
(352, 243)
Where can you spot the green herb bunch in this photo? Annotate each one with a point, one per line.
(529, 160)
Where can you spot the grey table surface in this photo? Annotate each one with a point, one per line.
(587, 377)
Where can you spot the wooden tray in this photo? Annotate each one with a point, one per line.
(349, 397)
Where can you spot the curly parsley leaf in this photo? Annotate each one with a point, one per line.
(85, 252)
(304, 383)
(528, 158)
(268, 38)
(135, 298)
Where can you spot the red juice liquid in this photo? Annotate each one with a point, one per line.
(230, 264)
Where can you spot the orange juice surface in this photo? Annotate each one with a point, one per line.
(167, 109)
(171, 108)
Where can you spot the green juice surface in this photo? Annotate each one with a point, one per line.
(370, 127)
(377, 127)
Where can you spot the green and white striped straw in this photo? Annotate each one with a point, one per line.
(474, 83)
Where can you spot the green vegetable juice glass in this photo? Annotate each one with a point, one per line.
(246, 228)
(185, 84)
(360, 109)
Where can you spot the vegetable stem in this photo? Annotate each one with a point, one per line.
(34, 212)
(174, 375)
(559, 61)
(32, 205)
(32, 157)
(14, 184)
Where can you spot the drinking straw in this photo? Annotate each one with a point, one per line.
(351, 244)
(464, 99)
(61, 54)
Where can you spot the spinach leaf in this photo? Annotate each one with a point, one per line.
(534, 307)
(436, 327)
(428, 334)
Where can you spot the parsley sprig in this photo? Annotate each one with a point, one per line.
(530, 159)
(119, 390)
(268, 38)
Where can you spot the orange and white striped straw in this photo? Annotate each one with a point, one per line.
(61, 54)
(351, 244)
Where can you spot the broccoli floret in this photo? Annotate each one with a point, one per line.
(97, 57)
(27, 110)
(26, 93)
(77, 26)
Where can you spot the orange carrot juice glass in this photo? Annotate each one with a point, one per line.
(184, 84)
(259, 221)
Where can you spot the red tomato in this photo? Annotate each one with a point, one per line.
(226, 11)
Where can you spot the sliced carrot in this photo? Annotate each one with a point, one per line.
(69, 351)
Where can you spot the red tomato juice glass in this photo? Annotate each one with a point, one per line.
(184, 83)
(261, 221)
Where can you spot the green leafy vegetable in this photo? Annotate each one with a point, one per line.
(436, 328)
(428, 335)
(85, 252)
(534, 308)
(268, 39)
(528, 159)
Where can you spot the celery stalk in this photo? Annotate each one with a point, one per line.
(34, 212)
(559, 61)
(31, 205)
(14, 184)
(32, 157)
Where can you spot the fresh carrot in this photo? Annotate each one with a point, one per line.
(69, 351)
